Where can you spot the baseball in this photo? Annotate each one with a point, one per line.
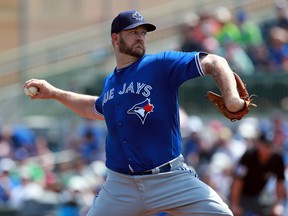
(31, 91)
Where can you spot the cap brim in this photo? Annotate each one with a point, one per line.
(150, 27)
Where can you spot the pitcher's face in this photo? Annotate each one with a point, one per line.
(133, 42)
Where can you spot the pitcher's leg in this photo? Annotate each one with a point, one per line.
(210, 206)
(119, 196)
(181, 193)
(205, 201)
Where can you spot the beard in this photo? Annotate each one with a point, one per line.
(136, 50)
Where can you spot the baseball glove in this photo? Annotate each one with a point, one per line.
(218, 101)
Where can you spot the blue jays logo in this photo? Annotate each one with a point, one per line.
(142, 109)
(137, 16)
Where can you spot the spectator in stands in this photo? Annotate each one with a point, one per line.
(193, 35)
(260, 58)
(238, 58)
(6, 143)
(27, 191)
(256, 167)
(282, 14)
(278, 50)
(23, 139)
(280, 128)
(192, 144)
(91, 146)
(210, 25)
(229, 31)
(30, 168)
(6, 182)
(251, 36)
(227, 150)
(281, 19)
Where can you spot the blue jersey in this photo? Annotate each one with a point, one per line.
(140, 106)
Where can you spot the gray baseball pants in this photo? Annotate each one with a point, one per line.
(178, 192)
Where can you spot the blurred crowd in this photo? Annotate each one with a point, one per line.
(249, 46)
(214, 149)
(39, 177)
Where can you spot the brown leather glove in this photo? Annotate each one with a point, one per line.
(218, 101)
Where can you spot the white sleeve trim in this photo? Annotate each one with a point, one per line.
(198, 64)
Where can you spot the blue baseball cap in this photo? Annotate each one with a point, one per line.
(128, 20)
(266, 137)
